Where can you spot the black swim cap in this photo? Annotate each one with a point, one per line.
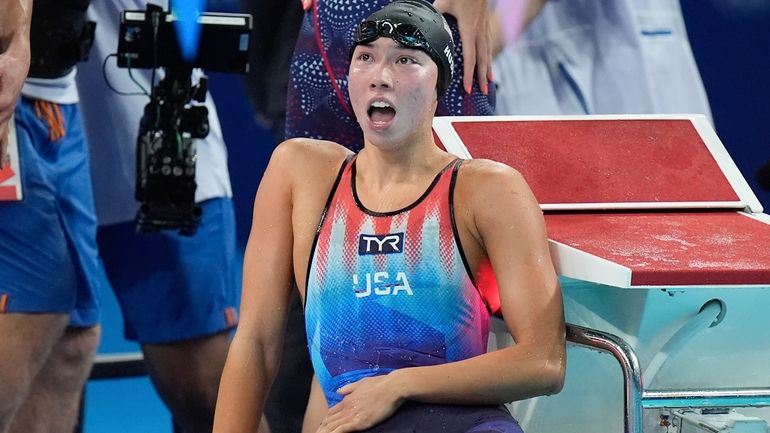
(414, 24)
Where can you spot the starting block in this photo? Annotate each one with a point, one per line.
(649, 221)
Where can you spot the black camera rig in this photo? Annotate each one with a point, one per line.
(166, 151)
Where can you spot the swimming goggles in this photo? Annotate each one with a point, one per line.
(404, 33)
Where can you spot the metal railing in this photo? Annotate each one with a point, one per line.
(636, 398)
(721, 397)
(629, 364)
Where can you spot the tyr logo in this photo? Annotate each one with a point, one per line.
(380, 244)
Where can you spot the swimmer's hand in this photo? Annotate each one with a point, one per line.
(365, 404)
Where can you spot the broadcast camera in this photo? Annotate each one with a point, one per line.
(166, 153)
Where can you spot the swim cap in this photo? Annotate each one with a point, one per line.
(414, 24)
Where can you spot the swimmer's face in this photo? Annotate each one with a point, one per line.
(392, 90)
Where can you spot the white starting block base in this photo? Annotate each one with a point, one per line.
(719, 357)
(651, 220)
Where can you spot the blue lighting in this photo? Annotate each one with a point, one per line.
(188, 29)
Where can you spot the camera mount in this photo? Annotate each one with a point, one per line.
(166, 147)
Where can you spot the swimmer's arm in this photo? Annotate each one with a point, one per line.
(510, 226)
(316, 409)
(512, 230)
(254, 354)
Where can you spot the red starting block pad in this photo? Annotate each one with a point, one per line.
(630, 201)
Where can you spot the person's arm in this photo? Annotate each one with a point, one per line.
(511, 228)
(254, 354)
(15, 18)
(317, 407)
(509, 19)
(473, 23)
(473, 19)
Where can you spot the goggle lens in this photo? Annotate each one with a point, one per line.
(403, 33)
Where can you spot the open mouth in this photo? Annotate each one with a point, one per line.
(381, 112)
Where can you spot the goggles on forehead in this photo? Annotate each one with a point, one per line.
(404, 33)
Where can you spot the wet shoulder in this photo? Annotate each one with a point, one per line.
(484, 173)
(480, 181)
(307, 160)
